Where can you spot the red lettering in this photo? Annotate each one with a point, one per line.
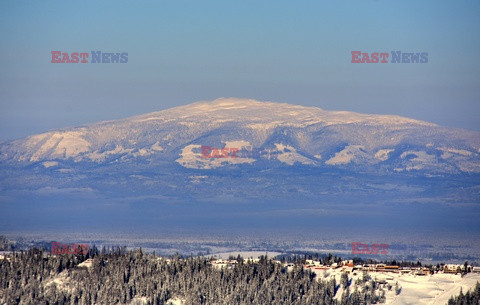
(74, 57)
(355, 249)
(225, 152)
(215, 153)
(359, 248)
(233, 151)
(209, 152)
(75, 249)
(384, 247)
(375, 57)
(365, 58)
(56, 57)
(56, 248)
(384, 57)
(65, 249)
(355, 57)
(84, 57)
(65, 58)
(366, 249)
(206, 152)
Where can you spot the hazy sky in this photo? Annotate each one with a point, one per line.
(184, 51)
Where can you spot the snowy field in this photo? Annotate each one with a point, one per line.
(433, 289)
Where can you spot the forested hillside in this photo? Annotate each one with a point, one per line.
(134, 277)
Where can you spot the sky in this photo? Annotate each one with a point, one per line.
(181, 52)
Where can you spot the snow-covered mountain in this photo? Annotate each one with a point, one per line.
(287, 167)
(266, 134)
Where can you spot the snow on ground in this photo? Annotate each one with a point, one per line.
(469, 166)
(48, 164)
(240, 144)
(175, 301)
(139, 301)
(87, 263)
(156, 147)
(433, 289)
(197, 178)
(60, 282)
(288, 154)
(382, 154)
(449, 152)
(464, 159)
(97, 156)
(345, 156)
(418, 159)
(57, 145)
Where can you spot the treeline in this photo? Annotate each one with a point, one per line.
(123, 277)
(469, 298)
(5, 244)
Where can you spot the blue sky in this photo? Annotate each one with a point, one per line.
(184, 51)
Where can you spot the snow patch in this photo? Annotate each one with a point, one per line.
(450, 152)
(188, 124)
(48, 164)
(97, 156)
(149, 119)
(345, 156)
(288, 155)
(431, 289)
(144, 152)
(469, 166)
(197, 179)
(61, 145)
(264, 126)
(240, 144)
(87, 263)
(176, 301)
(156, 147)
(382, 154)
(65, 170)
(419, 160)
(139, 301)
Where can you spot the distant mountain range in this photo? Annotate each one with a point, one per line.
(279, 148)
